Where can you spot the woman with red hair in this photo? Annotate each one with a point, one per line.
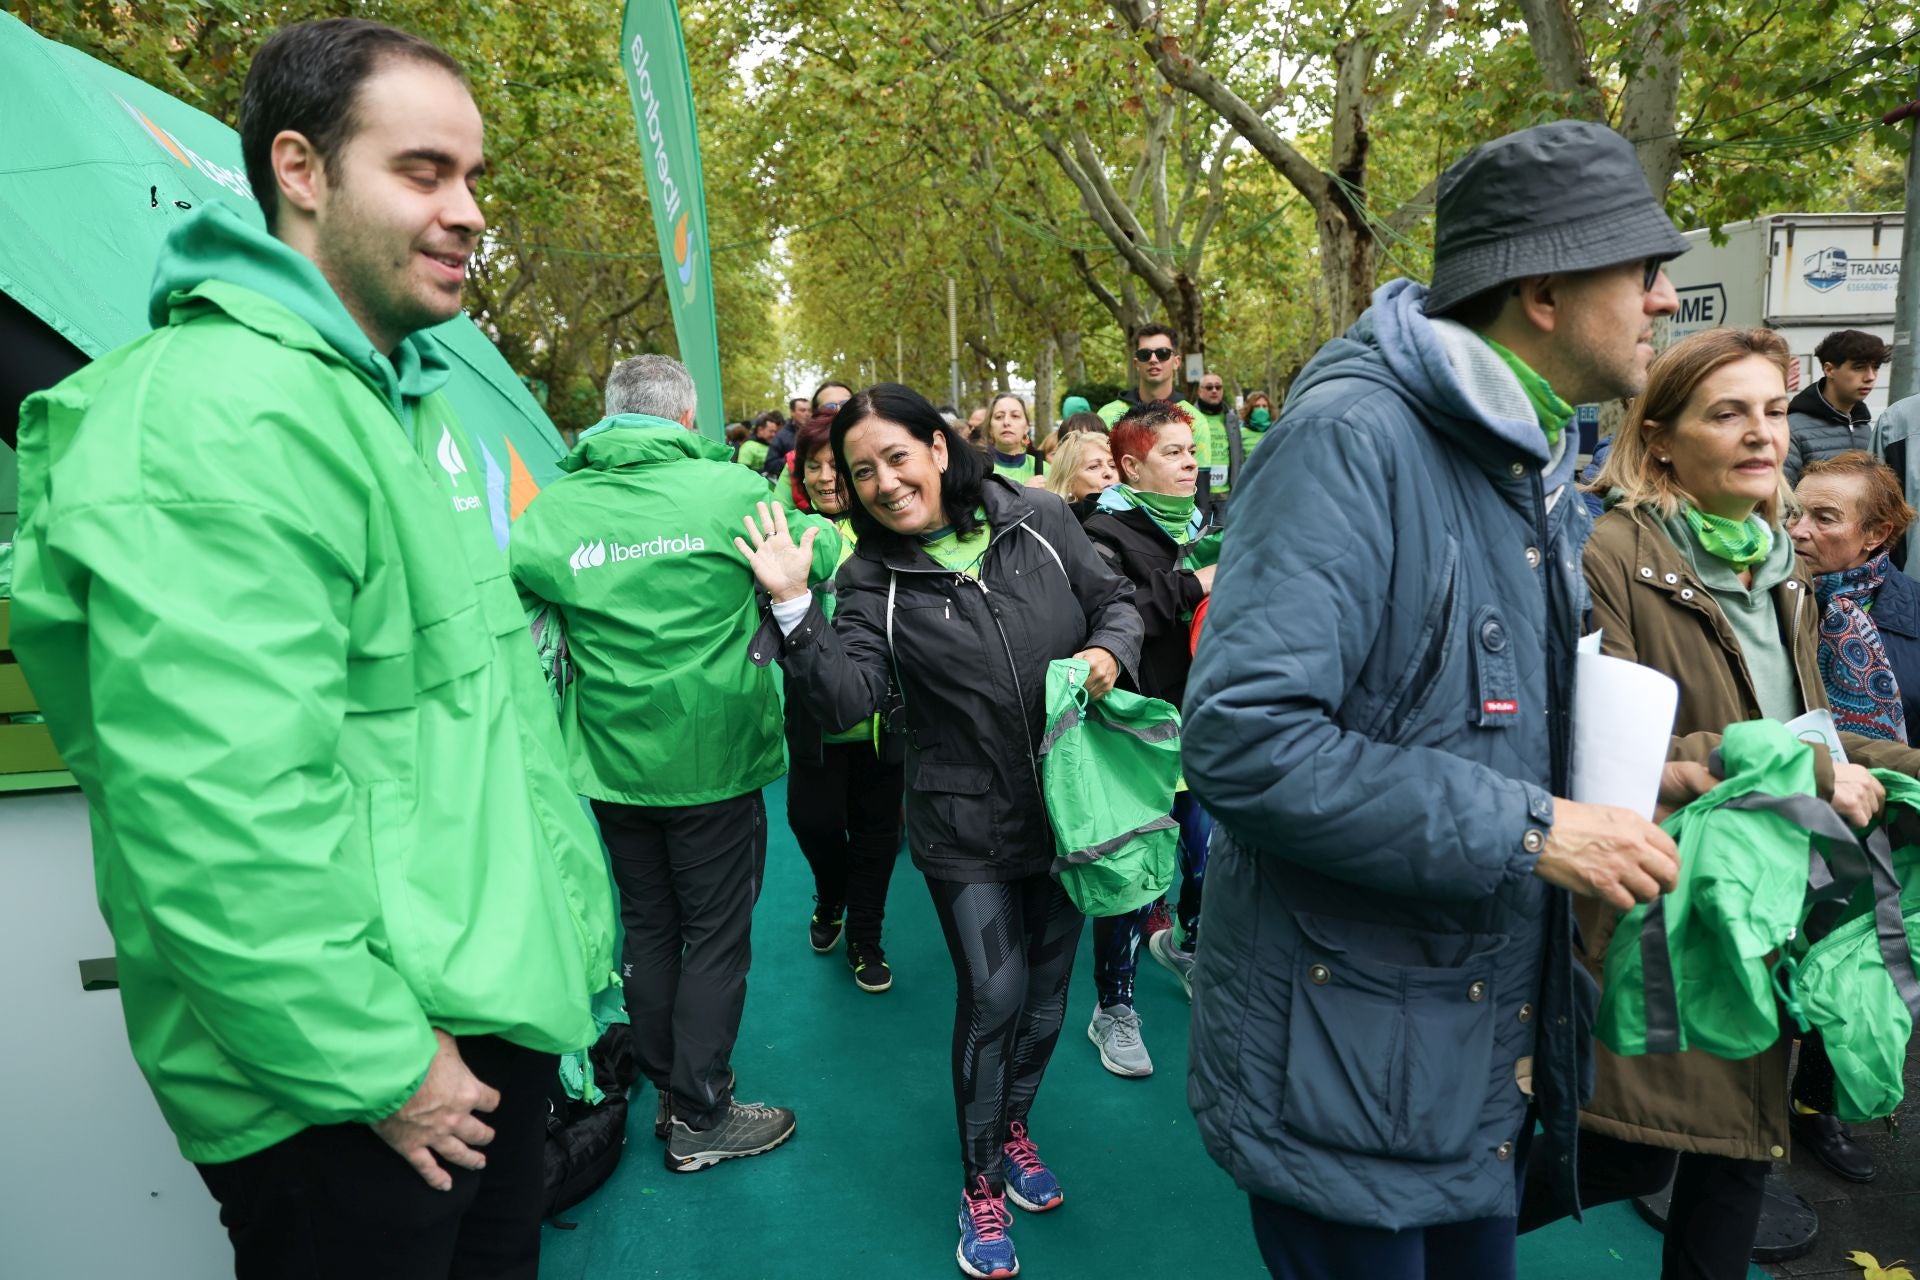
(1154, 531)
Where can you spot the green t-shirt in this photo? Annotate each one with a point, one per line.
(753, 453)
(1020, 472)
(961, 554)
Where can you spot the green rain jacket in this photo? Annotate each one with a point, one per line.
(259, 598)
(635, 548)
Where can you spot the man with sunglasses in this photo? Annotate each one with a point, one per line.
(1156, 371)
(1378, 718)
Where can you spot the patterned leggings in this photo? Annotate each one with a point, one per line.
(1116, 939)
(1012, 946)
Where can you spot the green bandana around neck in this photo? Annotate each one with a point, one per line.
(1553, 413)
(1173, 514)
(1741, 543)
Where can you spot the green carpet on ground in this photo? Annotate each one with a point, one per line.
(869, 1185)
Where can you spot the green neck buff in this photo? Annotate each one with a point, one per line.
(1173, 514)
(1741, 543)
(1553, 413)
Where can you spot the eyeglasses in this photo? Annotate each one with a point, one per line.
(831, 406)
(1650, 274)
(1146, 355)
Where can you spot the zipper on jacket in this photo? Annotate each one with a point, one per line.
(1026, 730)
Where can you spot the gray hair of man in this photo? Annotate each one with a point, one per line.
(656, 385)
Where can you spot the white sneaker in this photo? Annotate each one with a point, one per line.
(1116, 1031)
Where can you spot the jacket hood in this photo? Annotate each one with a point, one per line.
(1813, 404)
(634, 439)
(1460, 387)
(217, 246)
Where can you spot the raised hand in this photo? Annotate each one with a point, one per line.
(779, 563)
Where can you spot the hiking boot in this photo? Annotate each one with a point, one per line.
(747, 1129)
(986, 1251)
(869, 965)
(823, 931)
(1832, 1144)
(663, 1113)
(1030, 1184)
(1174, 957)
(1116, 1031)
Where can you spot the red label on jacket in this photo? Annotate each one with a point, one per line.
(1499, 707)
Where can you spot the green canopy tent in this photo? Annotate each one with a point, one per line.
(96, 167)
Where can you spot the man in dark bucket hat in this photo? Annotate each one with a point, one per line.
(1379, 718)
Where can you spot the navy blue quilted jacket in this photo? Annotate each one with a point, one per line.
(1378, 718)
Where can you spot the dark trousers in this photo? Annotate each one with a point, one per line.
(688, 878)
(1012, 945)
(845, 812)
(335, 1200)
(1196, 837)
(1299, 1246)
(1714, 1214)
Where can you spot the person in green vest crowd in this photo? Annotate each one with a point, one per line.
(1010, 439)
(1256, 419)
(356, 906)
(1216, 439)
(845, 785)
(753, 451)
(1156, 364)
(672, 729)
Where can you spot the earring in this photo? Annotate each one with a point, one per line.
(1666, 461)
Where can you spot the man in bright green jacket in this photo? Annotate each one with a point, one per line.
(356, 907)
(671, 728)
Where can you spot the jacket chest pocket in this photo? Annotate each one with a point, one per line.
(1388, 1059)
(394, 656)
(1496, 677)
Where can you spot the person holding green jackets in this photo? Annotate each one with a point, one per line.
(671, 730)
(356, 907)
(1693, 575)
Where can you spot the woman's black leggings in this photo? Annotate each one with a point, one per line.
(1012, 945)
(845, 814)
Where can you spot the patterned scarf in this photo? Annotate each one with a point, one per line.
(1853, 659)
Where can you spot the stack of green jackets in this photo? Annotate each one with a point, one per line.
(1765, 866)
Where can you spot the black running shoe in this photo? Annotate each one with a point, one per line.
(869, 964)
(823, 931)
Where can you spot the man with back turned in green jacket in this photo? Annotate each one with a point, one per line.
(672, 730)
(355, 905)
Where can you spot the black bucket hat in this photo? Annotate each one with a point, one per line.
(1564, 196)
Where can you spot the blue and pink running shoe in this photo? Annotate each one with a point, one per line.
(1030, 1184)
(986, 1251)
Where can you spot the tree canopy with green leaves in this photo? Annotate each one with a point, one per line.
(1247, 172)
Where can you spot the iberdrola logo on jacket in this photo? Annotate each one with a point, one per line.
(591, 555)
(450, 460)
(455, 466)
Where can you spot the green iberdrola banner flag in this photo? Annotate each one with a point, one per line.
(655, 59)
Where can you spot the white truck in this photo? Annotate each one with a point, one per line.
(1805, 274)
